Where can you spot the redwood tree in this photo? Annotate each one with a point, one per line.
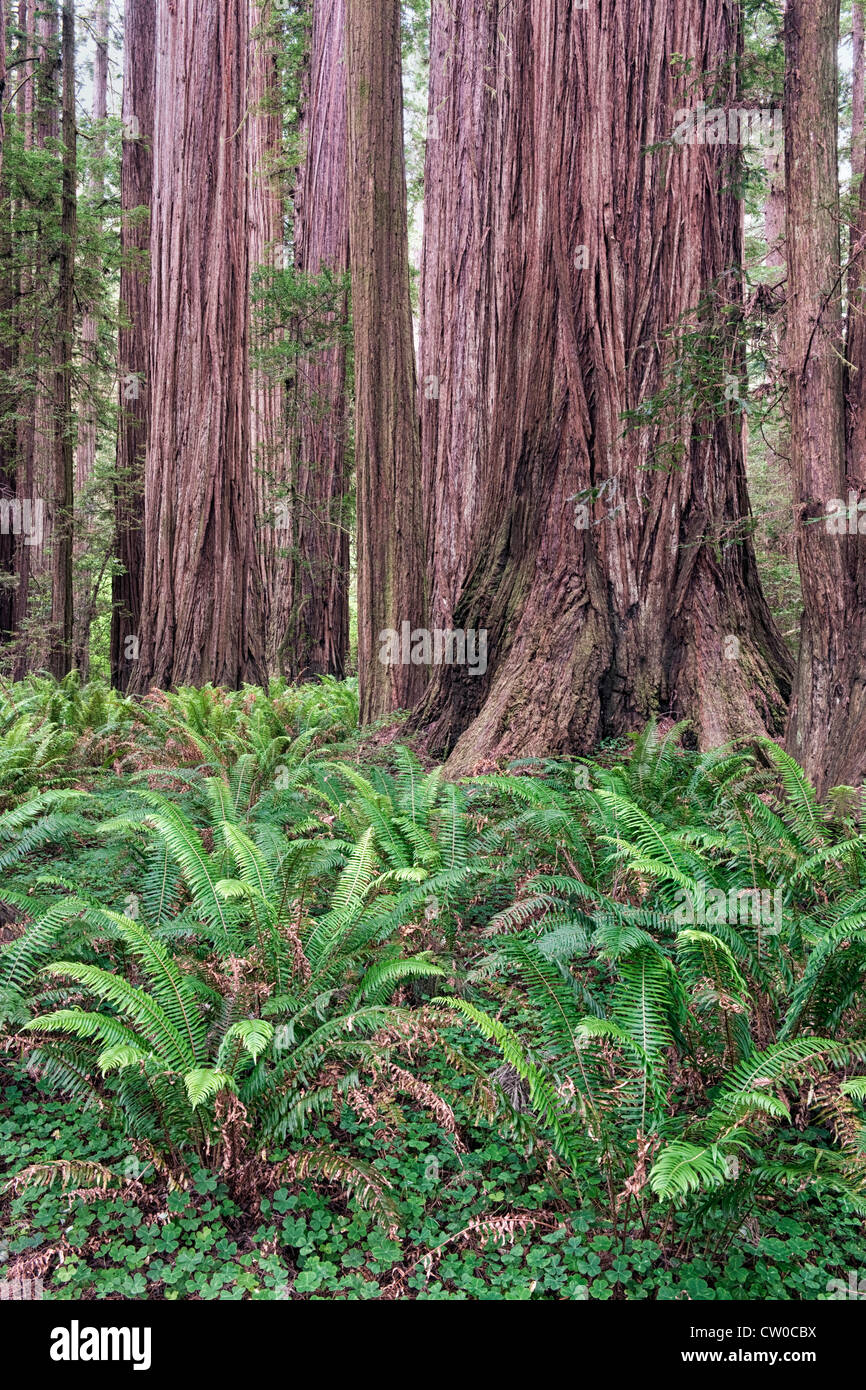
(313, 638)
(858, 89)
(391, 579)
(87, 590)
(87, 429)
(7, 359)
(268, 449)
(201, 605)
(37, 112)
(64, 424)
(827, 729)
(136, 177)
(566, 237)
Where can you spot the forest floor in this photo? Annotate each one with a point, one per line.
(454, 1042)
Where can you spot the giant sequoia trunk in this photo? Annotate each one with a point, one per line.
(201, 607)
(136, 180)
(314, 637)
(827, 730)
(391, 581)
(611, 567)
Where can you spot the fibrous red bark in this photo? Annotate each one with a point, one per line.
(201, 604)
(87, 431)
(7, 358)
(566, 236)
(827, 394)
(136, 180)
(269, 450)
(391, 577)
(313, 638)
(63, 415)
(37, 111)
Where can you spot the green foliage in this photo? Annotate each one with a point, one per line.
(253, 930)
(228, 953)
(640, 1040)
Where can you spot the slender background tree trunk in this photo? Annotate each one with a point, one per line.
(136, 189)
(314, 637)
(8, 297)
(88, 406)
(816, 377)
(858, 91)
(827, 389)
(37, 102)
(268, 448)
(391, 577)
(64, 420)
(87, 427)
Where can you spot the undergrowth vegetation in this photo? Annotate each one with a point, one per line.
(286, 1013)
